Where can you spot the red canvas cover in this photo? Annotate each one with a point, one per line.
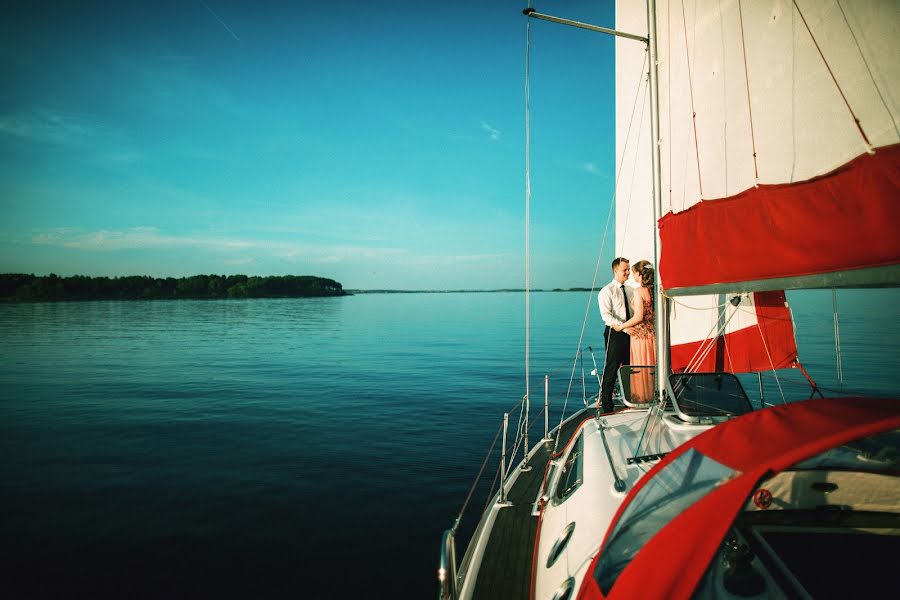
(846, 219)
(756, 444)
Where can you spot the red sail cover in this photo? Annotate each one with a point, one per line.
(762, 442)
(761, 339)
(846, 219)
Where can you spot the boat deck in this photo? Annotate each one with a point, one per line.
(505, 572)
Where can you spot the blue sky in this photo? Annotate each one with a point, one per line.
(378, 144)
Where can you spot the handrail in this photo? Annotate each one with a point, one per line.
(449, 572)
(619, 485)
(447, 567)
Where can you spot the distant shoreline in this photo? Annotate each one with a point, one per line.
(503, 290)
(21, 287)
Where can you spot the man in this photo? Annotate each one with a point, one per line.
(615, 308)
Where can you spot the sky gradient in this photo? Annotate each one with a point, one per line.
(381, 145)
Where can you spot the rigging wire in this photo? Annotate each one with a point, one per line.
(837, 340)
(869, 70)
(865, 138)
(633, 176)
(490, 494)
(478, 477)
(590, 299)
(527, 203)
(771, 362)
(691, 87)
(708, 343)
(749, 104)
(723, 37)
(522, 423)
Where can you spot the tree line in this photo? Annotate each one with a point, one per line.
(19, 287)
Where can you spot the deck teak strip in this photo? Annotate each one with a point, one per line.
(505, 571)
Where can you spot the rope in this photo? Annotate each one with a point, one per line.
(833, 78)
(695, 362)
(837, 339)
(771, 362)
(633, 175)
(710, 341)
(490, 493)
(477, 477)
(749, 105)
(817, 388)
(691, 86)
(674, 300)
(518, 438)
(728, 355)
(869, 70)
(590, 300)
(583, 381)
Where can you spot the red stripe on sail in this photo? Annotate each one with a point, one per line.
(847, 219)
(770, 345)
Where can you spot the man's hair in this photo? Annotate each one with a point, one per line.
(616, 261)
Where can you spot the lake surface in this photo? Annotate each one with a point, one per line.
(177, 448)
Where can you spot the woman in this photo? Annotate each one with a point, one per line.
(641, 327)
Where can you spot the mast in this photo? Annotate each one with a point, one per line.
(662, 307)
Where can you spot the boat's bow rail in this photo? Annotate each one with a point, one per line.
(512, 448)
(586, 460)
(447, 568)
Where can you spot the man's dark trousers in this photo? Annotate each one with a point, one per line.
(618, 353)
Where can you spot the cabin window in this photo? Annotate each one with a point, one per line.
(571, 476)
(687, 479)
(564, 592)
(560, 545)
(700, 397)
(879, 453)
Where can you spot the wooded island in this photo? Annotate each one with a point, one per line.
(18, 287)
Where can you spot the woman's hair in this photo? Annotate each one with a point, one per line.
(646, 271)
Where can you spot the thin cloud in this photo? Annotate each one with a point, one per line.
(238, 262)
(493, 133)
(594, 169)
(151, 238)
(100, 143)
(460, 259)
(132, 238)
(124, 157)
(49, 126)
(591, 168)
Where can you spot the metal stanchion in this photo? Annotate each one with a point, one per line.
(503, 501)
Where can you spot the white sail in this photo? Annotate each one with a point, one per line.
(753, 94)
(780, 99)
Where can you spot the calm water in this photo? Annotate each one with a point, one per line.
(173, 448)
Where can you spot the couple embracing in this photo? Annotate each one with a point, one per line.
(630, 328)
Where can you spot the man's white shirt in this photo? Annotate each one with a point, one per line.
(612, 304)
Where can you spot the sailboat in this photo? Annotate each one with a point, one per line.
(771, 162)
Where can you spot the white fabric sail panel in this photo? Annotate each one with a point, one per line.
(726, 152)
(800, 123)
(698, 316)
(801, 126)
(634, 192)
